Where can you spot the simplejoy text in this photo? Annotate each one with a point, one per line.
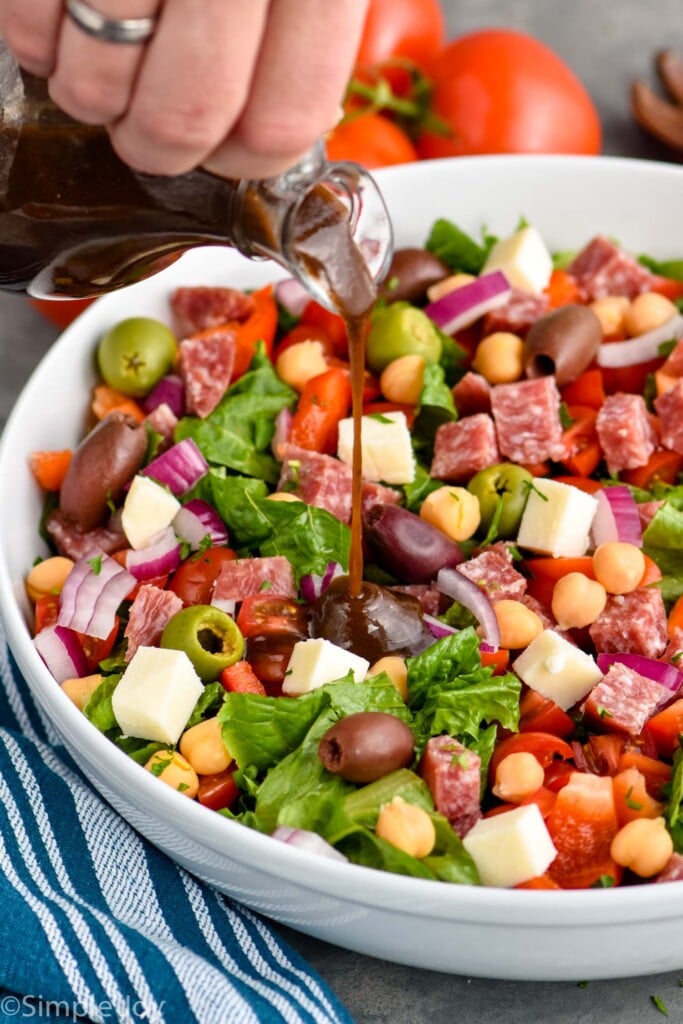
(131, 1010)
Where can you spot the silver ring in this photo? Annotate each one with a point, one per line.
(110, 30)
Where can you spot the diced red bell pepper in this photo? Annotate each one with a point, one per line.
(324, 401)
(241, 678)
(582, 825)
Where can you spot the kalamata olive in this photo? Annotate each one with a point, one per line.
(411, 273)
(373, 623)
(408, 547)
(563, 342)
(366, 746)
(101, 466)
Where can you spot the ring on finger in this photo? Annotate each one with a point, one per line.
(110, 30)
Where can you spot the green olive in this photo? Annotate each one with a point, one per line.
(401, 330)
(135, 354)
(209, 637)
(504, 485)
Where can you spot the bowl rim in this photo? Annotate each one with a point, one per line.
(350, 882)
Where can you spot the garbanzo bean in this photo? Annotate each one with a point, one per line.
(402, 379)
(500, 358)
(643, 845)
(300, 362)
(610, 311)
(202, 746)
(647, 311)
(283, 496)
(618, 566)
(407, 827)
(448, 284)
(48, 577)
(518, 624)
(172, 768)
(577, 600)
(79, 690)
(518, 776)
(397, 670)
(453, 510)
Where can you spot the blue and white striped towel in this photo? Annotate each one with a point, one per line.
(97, 923)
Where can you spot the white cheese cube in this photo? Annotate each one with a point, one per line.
(512, 847)
(523, 258)
(156, 695)
(557, 669)
(557, 519)
(386, 447)
(316, 662)
(148, 508)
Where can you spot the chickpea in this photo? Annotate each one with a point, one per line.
(397, 670)
(611, 311)
(518, 776)
(643, 845)
(300, 362)
(453, 510)
(172, 768)
(48, 577)
(518, 624)
(80, 690)
(407, 827)
(448, 284)
(577, 600)
(203, 748)
(283, 496)
(647, 311)
(402, 379)
(500, 358)
(618, 566)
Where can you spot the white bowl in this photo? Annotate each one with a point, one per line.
(466, 930)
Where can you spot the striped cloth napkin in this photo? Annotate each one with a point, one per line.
(96, 923)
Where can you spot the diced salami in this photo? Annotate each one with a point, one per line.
(429, 597)
(463, 447)
(672, 870)
(163, 420)
(472, 394)
(673, 364)
(149, 614)
(517, 315)
(623, 700)
(69, 540)
(673, 652)
(205, 365)
(373, 493)
(493, 571)
(198, 308)
(544, 613)
(453, 774)
(245, 576)
(602, 269)
(669, 407)
(325, 482)
(625, 431)
(527, 418)
(647, 510)
(632, 623)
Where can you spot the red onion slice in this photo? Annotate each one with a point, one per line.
(170, 391)
(660, 672)
(196, 521)
(309, 841)
(283, 428)
(159, 558)
(91, 595)
(641, 349)
(313, 586)
(455, 585)
(60, 649)
(625, 511)
(292, 296)
(463, 306)
(437, 628)
(179, 467)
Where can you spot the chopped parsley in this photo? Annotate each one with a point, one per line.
(96, 564)
(633, 804)
(656, 1001)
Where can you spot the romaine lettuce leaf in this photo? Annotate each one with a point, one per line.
(458, 250)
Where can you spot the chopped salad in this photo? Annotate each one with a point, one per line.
(515, 720)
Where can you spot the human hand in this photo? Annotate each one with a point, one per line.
(241, 87)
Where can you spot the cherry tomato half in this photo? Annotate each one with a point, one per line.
(194, 578)
(542, 745)
(261, 614)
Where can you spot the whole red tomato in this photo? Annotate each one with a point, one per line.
(371, 140)
(412, 29)
(501, 91)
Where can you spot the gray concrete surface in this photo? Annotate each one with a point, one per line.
(607, 43)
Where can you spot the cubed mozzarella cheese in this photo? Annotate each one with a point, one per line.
(148, 508)
(557, 669)
(523, 258)
(386, 447)
(557, 519)
(156, 695)
(316, 662)
(512, 847)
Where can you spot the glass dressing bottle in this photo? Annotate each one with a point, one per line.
(75, 221)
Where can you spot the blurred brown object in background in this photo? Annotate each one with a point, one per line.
(662, 117)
